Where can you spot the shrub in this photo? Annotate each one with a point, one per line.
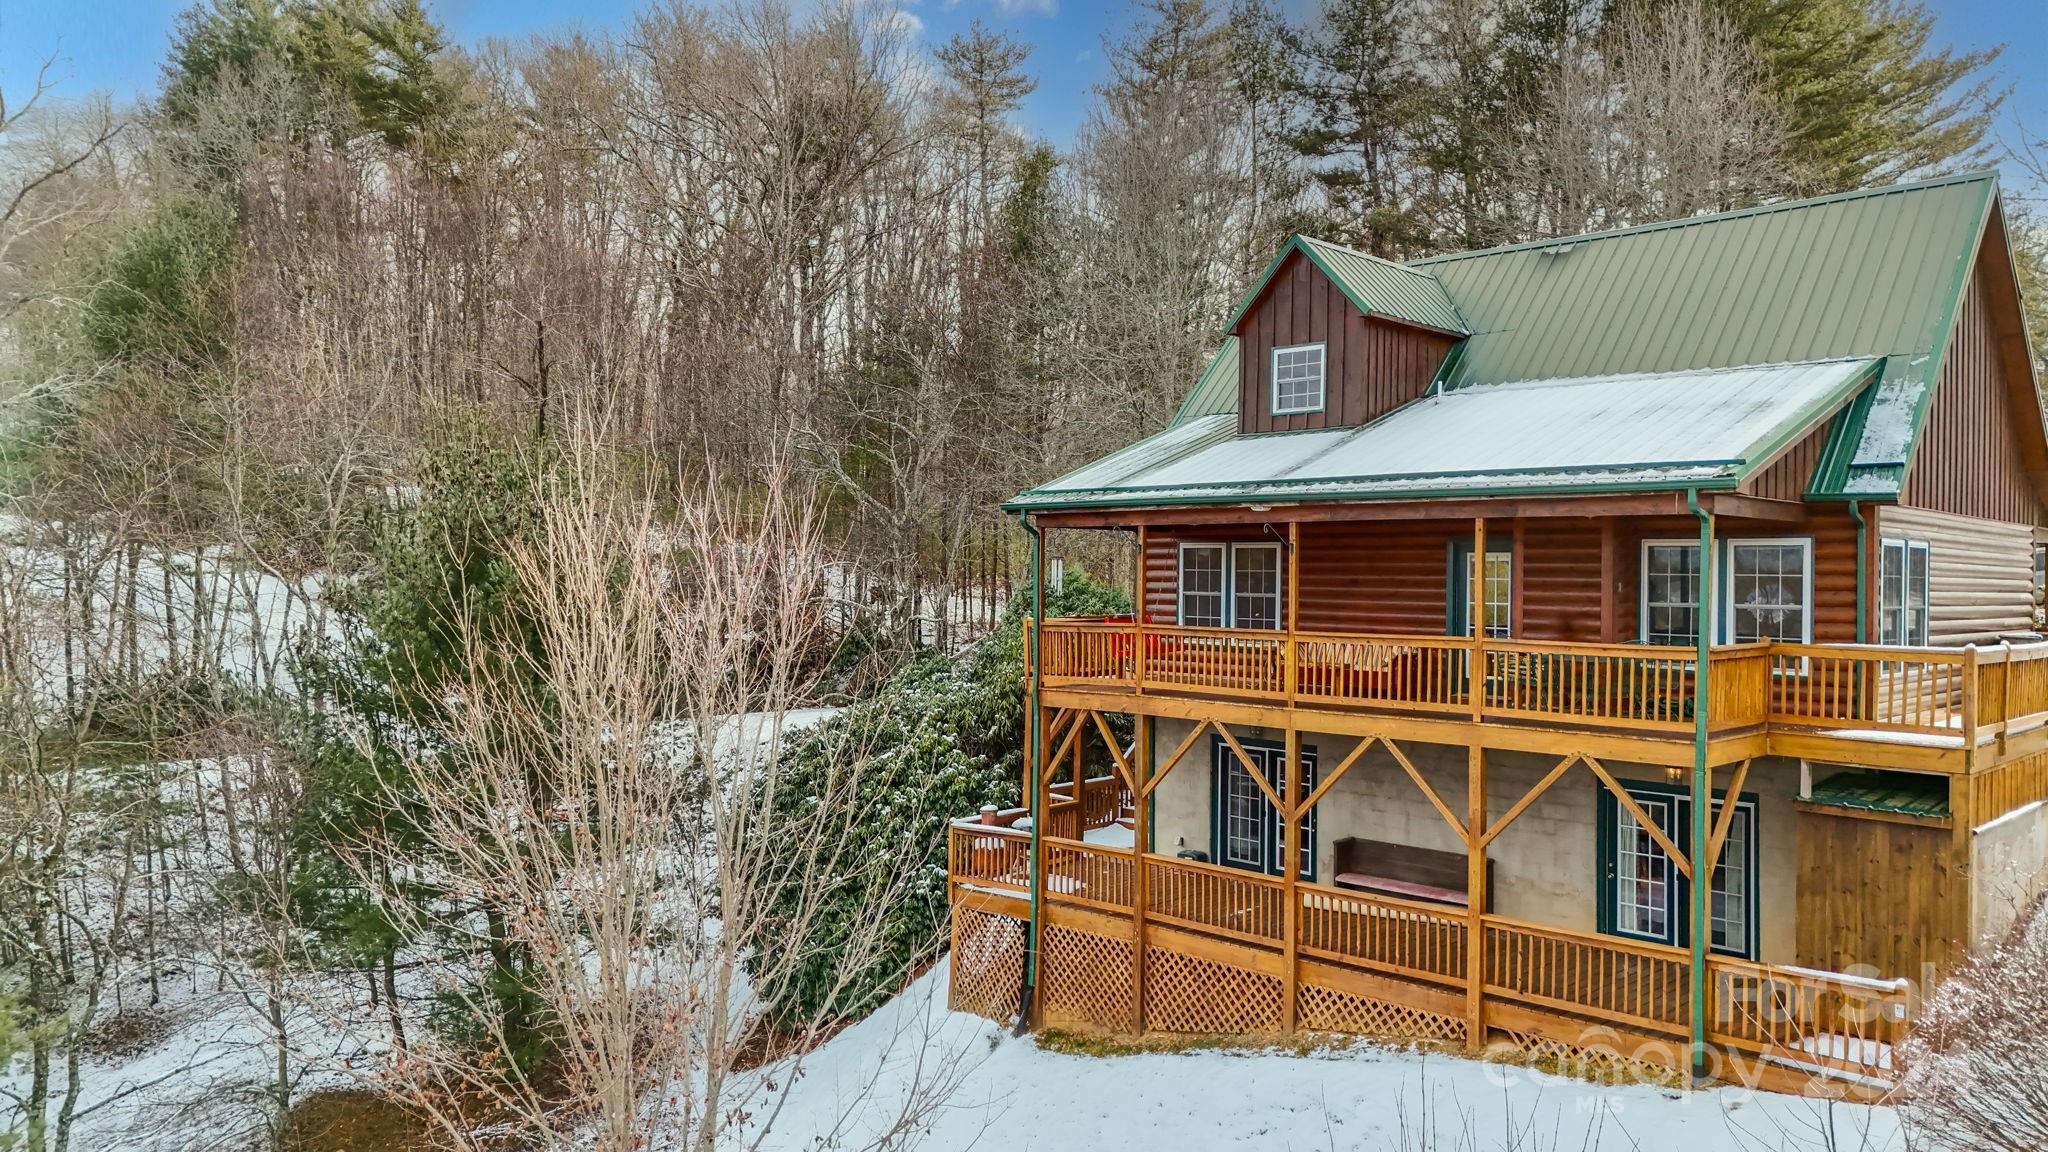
(942, 738)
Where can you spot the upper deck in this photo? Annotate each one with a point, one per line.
(1933, 709)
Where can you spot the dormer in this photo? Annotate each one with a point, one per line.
(1331, 337)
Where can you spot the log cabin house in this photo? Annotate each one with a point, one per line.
(1487, 602)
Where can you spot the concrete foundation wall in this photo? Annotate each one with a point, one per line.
(2010, 865)
(1546, 865)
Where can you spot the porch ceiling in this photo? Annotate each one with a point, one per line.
(1707, 428)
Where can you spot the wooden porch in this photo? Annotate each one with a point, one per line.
(1136, 941)
(1928, 708)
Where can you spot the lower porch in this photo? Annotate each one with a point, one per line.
(1145, 928)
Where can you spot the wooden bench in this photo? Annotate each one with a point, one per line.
(1386, 869)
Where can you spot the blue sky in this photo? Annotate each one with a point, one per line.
(115, 45)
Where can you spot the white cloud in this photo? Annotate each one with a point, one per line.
(1037, 7)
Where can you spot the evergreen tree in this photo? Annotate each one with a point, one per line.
(1362, 98)
(1868, 100)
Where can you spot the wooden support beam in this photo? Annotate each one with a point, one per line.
(1757, 508)
(1330, 778)
(1435, 800)
(1475, 619)
(1293, 670)
(1138, 615)
(1290, 883)
(1607, 581)
(1582, 507)
(1530, 797)
(1475, 898)
(1116, 755)
(1052, 763)
(1153, 779)
(1726, 819)
(1679, 860)
(1141, 893)
(1251, 768)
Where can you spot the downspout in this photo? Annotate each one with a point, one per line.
(1702, 794)
(1034, 755)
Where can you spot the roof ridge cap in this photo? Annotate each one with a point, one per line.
(1661, 372)
(1381, 260)
(1978, 176)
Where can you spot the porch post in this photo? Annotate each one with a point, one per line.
(1475, 618)
(1141, 841)
(1035, 796)
(1293, 609)
(1476, 895)
(1290, 874)
(1138, 617)
(1702, 790)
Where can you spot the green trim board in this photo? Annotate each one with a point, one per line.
(1878, 790)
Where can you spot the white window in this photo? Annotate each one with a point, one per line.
(1730, 898)
(1671, 592)
(1202, 568)
(1230, 585)
(1902, 593)
(1643, 892)
(1297, 379)
(1770, 591)
(1255, 586)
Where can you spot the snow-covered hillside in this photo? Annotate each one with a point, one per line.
(1009, 1094)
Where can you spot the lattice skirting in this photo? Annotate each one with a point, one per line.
(988, 963)
(1085, 981)
(1328, 1010)
(1610, 1060)
(1184, 994)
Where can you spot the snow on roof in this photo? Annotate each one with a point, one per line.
(1633, 430)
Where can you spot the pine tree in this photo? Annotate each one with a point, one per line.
(1868, 100)
(1362, 99)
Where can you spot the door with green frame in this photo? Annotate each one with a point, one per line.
(1643, 896)
(1500, 589)
(1248, 832)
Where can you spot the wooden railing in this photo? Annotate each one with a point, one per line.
(1830, 1021)
(1630, 687)
(989, 855)
(1896, 689)
(1822, 1019)
(1229, 901)
(1104, 800)
(1088, 874)
(1404, 937)
(1646, 985)
(1424, 672)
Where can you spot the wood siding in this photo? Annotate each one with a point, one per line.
(1834, 563)
(1392, 576)
(1875, 893)
(1788, 476)
(1371, 366)
(1971, 460)
(1980, 573)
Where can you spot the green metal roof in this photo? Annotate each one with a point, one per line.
(1871, 790)
(1706, 429)
(1216, 392)
(1873, 273)
(1377, 287)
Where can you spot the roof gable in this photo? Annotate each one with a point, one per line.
(1374, 286)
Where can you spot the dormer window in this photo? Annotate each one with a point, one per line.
(1297, 379)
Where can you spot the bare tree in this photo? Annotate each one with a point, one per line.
(1664, 115)
(1976, 1072)
(612, 795)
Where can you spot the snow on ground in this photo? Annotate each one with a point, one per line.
(1111, 836)
(1007, 1094)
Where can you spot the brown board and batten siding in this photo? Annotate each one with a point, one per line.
(1787, 477)
(1371, 365)
(1971, 460)
(1875, 895)
(1980, 573)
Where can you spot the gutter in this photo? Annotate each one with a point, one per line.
(1702, 791)
(1033, 756)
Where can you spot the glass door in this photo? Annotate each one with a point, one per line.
(1249, 832)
